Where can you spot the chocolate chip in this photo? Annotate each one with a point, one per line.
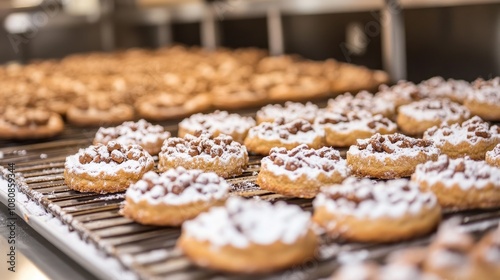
(483, 134)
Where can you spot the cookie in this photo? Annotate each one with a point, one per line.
(216, 123)
(290, 111)
(301, 171)
(484, 100)
(262, 138)
(415, 118)
(99, 108)
(493, 156)
(142, 133)
(437, 87)
(221, 155)
(165, 106)
(237, 95)
(29, 123)
(448, 255)
(173, 197)
(344, 129)
(106, 168)
(368, 211)
(460, 183)
(362, 101)
(237, 238)
(486, 256)
(472, 138)
(402, 93)
(389, 156)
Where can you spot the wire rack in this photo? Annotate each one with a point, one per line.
(150, 251)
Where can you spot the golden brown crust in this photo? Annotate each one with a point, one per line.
(381, 229)
(165, 215)
(487, 111)
(94, 117)
(476, 151)
(494, 161)
(263, 146)
(53, 127)
(253, 259)
(300, 187)
(458, 198)
(484, 269)
(238, 137)
(371, 166)
(233, 167)
(150, 108)
(410, 126)
(339, 138)
(102, 183)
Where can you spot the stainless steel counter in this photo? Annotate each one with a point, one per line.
(36, 258)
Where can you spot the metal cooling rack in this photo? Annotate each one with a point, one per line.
(149, 251)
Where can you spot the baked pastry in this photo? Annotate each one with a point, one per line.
(344, 129)
(99, 108)
(437, 87)
(389, 156)
(484, 100)
(249, 236)
(460, 183)
(29, 123)
(142, 133)
(299, 87)
(220, 154)
(362, 101)
(472, 138)
(369, 211)
(357, 271)
(237, 95)
(173, 197)
(402, 93)
(106, 168)
(262, 138)
(486, 256)
(417, 117)
(301, 171)
(493, 156)
(289, 112)
(164, 106)
(218, 122)
(448, 256)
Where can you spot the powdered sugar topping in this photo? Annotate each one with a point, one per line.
(486, 91)
(363, 101)
(347, 122)
(297, 131)
(203, 146)
(369, 199)
(289, 112)
(393, 146)
(178, 186)
(302, 160)
(464, 172)
(140, 132)
(220, 121)
(442, 110)
(437, 87)
(495, 153)
(472, 131)
(244, 222)
(109, 159)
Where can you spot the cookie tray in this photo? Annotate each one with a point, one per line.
(131, 250)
